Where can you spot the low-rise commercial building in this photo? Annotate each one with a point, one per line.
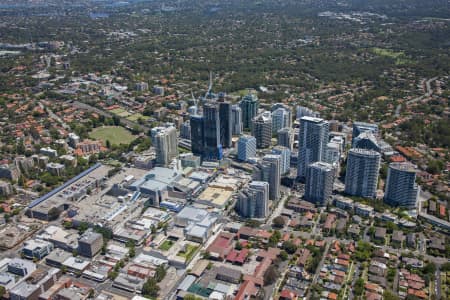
(154, 184)
(57, 257)
(197, 223)
(215, 197)
(90, 243)
(36, 249)
(60, 238)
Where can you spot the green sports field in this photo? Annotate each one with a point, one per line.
(137, 116)
(115, 134)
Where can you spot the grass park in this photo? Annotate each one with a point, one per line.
(120, 112)
(114, 134)
(399, 56)
(135, 117)
(188, 252)
(166, 245)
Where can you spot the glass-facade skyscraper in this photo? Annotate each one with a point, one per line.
(313, 140)
(361, 178)
(249, 106)
(401, 187)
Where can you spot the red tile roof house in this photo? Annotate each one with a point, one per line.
(237, 257)
(373, 296)
(287, 295)
(329, 222)
(221, 246)
(303, 258)
(246, 290)
(442, 210)
(249, 287)
(332, 296)
(285, 237)
(343, 262)
(420, 294)
(372, 287)
(320, 244)
(344, 256)
(246, 233)
(414, 277)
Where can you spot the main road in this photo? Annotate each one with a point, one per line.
(319, 266)
(428, 93)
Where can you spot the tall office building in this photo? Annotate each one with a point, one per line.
(254, 201)
(249, 105)
(285, 154)
(197, 135)
(360, 127)
(401, 188)
(313, 138)
(246, 147)
(90, 243)
(303, 111)
(285, 137)
(262, 130)
(236, 120)
(319, 182)
(246, 203)
(269, 170)
(333, 153)
(288, 110)
(366, 140)
(361, 176)
(262, 198)
(281, 118)
(211, 132)
(338, 138)
(225, 115)
(185, 130)
(166, 144)
(193, 110)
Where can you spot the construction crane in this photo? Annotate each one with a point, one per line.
(209, 86)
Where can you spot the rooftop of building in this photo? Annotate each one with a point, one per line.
(60, 195)
(23, 264)
(312, 119)
(259, 183)
(227, 182)
(56, 233)
(76, 263)
(24, 290)
(250, 97)
(263, 117)
(403, 166)
(192, 213)
(90, 236)
(215, 196)
(157, 179)
(35, 243)
(363, 206)
(200, 176)
(322, 165)
(58, 255)
(156, 214)
(365, 152)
